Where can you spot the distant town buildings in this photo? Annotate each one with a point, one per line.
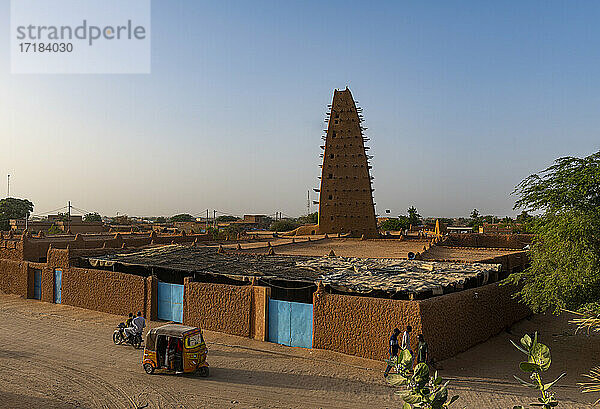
(496, 228)
(74, 224)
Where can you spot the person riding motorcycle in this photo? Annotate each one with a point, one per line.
(137, 326)
(128, 321)
(125, 324)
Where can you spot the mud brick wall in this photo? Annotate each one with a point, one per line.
(510, 262)
(151, 298)
(106, 291)
(58, 258)
(11, 249)
(508, 241)
(455, 322)
(218, 307)
(259, 313)
(361, 325)
(48, 285)
(13, 277)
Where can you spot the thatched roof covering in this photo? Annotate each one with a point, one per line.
(392, 275)
(352, 275)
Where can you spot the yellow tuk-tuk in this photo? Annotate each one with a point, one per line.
(175, 348)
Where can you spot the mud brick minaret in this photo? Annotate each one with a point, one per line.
(346, 197)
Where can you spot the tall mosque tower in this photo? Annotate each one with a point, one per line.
(346, 196)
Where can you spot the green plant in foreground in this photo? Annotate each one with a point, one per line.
(593, 385)
(538, 361)
(402, 363)
(588, 318)
(423, 391)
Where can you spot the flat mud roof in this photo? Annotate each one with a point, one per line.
(375, 277)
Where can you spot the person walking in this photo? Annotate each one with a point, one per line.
(394, 348)
(422, 350)
(406, 342)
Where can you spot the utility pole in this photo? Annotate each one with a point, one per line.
(307, 202)
(214, 218)
(8, 187)
(69, 218)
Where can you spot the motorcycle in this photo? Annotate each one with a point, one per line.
(119, 337)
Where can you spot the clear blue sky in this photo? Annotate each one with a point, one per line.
(462, 101)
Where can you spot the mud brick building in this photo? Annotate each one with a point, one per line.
(346, 196)
(341, 304)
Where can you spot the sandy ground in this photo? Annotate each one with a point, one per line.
(56, 356)
(344, 247)
(350, 247)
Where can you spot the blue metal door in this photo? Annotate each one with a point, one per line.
(301, 323)
(37, 284)
(279, 322)
(290, 323)
(57, 286)
(170, 302)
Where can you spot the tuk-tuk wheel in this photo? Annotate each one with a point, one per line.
(203, 371)
(149, 368)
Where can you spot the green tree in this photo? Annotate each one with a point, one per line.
(524, 217)
(92, 217)
(225, 219)
(565, 255)
(160, 219)
(234, 229)
(400, 223)
(184, 217)
(414, 217)
(475, 214)
(312, 218)
(284, 225)
(12, 208)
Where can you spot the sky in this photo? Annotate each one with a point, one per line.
(462, 100)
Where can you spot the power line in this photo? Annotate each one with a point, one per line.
(51, 211)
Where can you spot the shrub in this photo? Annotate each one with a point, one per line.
(538, 361)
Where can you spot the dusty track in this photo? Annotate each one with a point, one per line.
(57, 356)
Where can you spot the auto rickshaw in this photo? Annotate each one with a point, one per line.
(175, 348)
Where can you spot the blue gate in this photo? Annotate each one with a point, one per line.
(57, 286)
(170, 302)
(37, 284)
(290, 323)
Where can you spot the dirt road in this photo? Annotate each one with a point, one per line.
(55, 356)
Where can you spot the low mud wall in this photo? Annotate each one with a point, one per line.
(11, 249)
(450, 323)
(511, 263)
(259, 313)
(13, 277)
(455, 322)
(218, 307)
(360, 325)
(106, 291)
(485, 240)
